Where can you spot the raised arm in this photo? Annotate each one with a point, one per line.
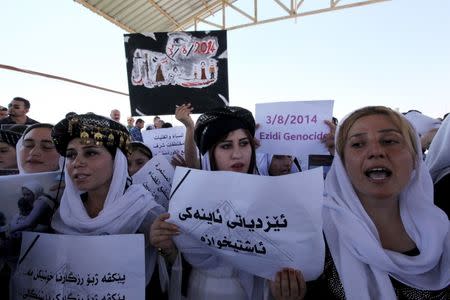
(328, 139)
(183, 114)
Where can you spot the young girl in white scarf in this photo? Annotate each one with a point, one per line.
(35, 150)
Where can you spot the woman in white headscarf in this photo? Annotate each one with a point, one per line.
(225, 136)
(386, 239)
(35, 150)
(99, 198)
(438, 162)
(276, 165)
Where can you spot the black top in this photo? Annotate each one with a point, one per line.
(9, 120)
(441, 194)
(329, 285)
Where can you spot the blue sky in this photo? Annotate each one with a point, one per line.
(395, 53)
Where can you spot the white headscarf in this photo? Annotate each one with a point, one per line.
(438, 156)
(122, 212)
(205, 162)
(363, 265)
(263, 161)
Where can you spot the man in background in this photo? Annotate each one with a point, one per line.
(3, 112)
(135, 132)
(130, 123)
(115, 115)
(17, 110)
(156, 121)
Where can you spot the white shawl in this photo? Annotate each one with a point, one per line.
(263, 161)
(122, 213)
(363, 265)
(438, 156)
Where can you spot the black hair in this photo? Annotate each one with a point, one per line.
(37, 125)
(252, 165)
(139, 146)
(26, 103)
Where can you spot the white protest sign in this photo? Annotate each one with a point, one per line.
(166, 141)
(156, 176)
(259, 224)
(12, 190)
(53, 266)
(294, 128)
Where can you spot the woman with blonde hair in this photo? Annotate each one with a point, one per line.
(386, 239)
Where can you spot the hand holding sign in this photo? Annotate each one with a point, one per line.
(261, 225)
(161, 234)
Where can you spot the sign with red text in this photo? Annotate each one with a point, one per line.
(294, 128)
(171, 68)
(261, 225)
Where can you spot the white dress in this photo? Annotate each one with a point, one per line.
(220, 282)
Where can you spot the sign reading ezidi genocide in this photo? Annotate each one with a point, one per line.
(168, 69)
(294, 128)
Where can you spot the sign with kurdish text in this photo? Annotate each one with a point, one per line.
(53, 266)
(166, 141)
(260, 225)
(156, 176)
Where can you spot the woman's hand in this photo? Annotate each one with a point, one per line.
(288, 285)
(161, 234)
(178, 161)
(183, 114)
(328, 139)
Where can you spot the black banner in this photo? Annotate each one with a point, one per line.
(168, 69)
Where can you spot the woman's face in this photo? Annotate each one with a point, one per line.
(280, 165)
(27, 194)
(234, 153)
(136, 161)
(7, 156)
(377, 158)
(38, 153)
(89, 166)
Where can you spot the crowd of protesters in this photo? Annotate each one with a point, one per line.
(385, 212)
